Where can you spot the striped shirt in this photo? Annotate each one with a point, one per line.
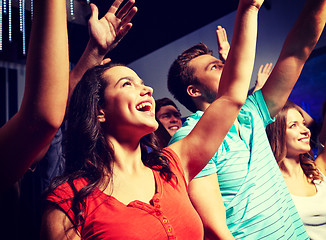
(257, 202)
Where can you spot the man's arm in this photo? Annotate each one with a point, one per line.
(205, 195)
(105, 34)
(297, 47)
(200, 145)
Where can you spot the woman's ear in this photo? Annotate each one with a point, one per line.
(101, 116)
(193, 91)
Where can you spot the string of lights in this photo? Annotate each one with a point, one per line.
(71, 8)
(6, 11)
(1, 12)
(10, 21)
(23, 26)
(21, 13)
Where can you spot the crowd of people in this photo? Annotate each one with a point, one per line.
(116, 164)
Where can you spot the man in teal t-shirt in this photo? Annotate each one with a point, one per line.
(241, 193)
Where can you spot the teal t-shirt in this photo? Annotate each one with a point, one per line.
(257, 201)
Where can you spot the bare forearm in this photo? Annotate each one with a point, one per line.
(47, 65)
(239, 64)
(305, 33)
(24, 137)
(205, 195)
(297, 47)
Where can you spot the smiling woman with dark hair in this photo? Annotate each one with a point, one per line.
(113, 188)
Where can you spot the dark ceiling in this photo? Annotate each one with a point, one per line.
(156, 24)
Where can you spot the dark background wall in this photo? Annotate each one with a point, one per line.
(161, 31)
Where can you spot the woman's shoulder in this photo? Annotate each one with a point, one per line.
(173, 158)
(174, 162)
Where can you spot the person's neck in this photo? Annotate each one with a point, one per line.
(202, 106)
(291, 167)
(127, 155)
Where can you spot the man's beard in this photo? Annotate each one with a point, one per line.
(208, 94)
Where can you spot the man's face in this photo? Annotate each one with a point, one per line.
(170, 118)
(208, 70)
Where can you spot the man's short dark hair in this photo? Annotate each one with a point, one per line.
(180, 75)
(164, 102)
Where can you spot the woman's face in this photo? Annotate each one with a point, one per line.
(297, 134)
(129, 106)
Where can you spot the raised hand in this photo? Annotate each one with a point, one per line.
(262, 75)
(106, 32)
(222, 39)
(105, 61)
(223, 43)
(254, 3)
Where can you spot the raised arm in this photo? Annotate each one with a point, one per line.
(297, 47)
(27, 134)
(199, 146)
(105, 34)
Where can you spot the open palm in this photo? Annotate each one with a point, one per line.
(112, 27)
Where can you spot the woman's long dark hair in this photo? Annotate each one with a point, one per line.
(88, 154)
(276, 133)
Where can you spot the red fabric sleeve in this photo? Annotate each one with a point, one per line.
(175, 163)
